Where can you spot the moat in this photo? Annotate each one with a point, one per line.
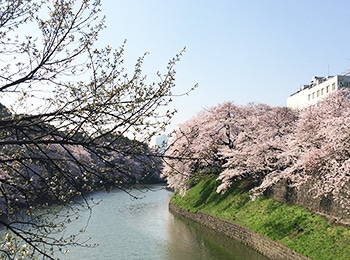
(129, 228)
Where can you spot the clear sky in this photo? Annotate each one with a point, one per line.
(240, 51)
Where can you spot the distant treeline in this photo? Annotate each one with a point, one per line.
(50, 169)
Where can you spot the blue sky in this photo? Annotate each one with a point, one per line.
(239, 51)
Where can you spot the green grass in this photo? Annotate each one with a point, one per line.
(304, 232)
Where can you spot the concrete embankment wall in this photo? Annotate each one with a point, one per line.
(262, 244)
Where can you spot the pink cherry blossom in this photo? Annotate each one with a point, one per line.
(266, 145)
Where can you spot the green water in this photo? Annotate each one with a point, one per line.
(128, 228)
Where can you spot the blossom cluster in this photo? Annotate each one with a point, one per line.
(265, 145)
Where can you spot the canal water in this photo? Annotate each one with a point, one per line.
(125, 227)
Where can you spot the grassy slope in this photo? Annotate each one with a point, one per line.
(291, 225)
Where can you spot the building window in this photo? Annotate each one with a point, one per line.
(333, 86)
(309, 97)
(318, 93)
(327, 89)
(313, 95)
(322, 91)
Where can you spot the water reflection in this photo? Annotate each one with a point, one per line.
(199, 242)
(137, 229)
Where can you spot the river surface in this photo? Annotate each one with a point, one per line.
(129, 228)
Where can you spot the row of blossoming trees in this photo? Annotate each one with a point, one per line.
(265, 145)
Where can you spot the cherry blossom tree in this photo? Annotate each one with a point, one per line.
(266, 145)
(193, 148)
(244, 141)
(258, 153)
(72, 106)
(320, 146)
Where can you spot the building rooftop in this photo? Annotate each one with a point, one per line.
(318, 88)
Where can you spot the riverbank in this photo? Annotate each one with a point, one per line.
(285, 226)
(260, 243)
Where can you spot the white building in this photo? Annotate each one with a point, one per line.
(319, 88)
(159, 142)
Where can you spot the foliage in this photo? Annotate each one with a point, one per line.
(260, 150)
(72, 106)
(291, 225)
(321, 146)
(244, 141)
(194, 146)
(266, 144)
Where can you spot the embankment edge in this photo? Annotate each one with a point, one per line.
(260, 243)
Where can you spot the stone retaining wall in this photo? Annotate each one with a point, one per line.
(336, 210)
(262, 244)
